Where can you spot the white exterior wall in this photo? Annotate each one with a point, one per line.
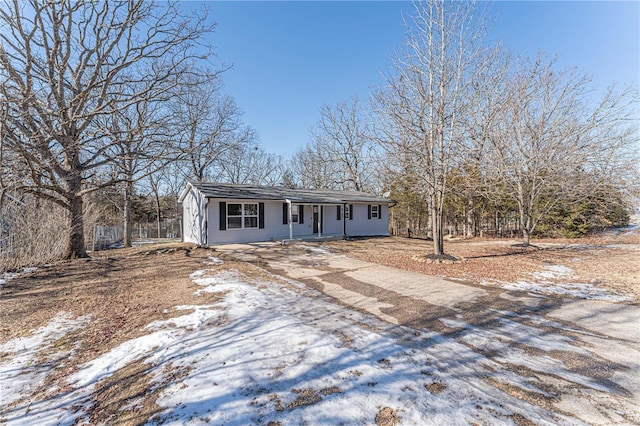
(194, 207)
(332, 225)
(193, 217)
(273, 227)
(362, 226)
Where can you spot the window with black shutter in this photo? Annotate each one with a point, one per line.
(374, 211)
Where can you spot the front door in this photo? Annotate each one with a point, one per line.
(315, 219)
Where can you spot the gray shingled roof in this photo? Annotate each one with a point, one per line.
(324, 196)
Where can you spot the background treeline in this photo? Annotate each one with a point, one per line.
(102, 125)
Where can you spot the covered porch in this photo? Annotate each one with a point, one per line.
(328, 219)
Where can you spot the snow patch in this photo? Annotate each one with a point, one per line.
(20, 369)
(577, 290)
(554, 272)
(215, 283)
(6, 276)
(314, 249)
(211, 260)
(556, 279)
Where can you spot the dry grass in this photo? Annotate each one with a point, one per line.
(31, 233)
(123, 290)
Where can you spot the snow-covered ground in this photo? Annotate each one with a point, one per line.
(284, 353)
(20, 374)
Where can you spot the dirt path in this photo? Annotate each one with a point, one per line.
(590, 348)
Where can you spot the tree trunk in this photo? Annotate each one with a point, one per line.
(469, 228)
(525, 224)
(128, 231)
(158, 214)
(436, 220)
(75, 244)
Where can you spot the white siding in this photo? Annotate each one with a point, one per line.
(206, 230)
(193, 217)
(332, 225)
(273, 227)
(362, 226)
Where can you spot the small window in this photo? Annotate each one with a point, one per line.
(346, 212)
(242, 216)
(294, 213)
(374, 212)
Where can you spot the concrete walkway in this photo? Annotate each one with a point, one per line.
(350, 280)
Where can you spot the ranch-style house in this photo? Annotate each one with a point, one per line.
(220, 213)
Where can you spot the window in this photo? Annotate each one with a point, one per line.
(242, 216)
(375, 213)
(294, 213)
(347, 211)
(250, 215)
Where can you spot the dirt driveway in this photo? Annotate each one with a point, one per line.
(578, 351)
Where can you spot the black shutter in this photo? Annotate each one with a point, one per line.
(369, 211)
(223, 216)
(321, 219)
(339, 216)
(261, 215)
(300, 213)
(285, 214)
(350, 211)
(379, 211)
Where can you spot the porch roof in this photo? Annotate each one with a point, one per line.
(308, 196)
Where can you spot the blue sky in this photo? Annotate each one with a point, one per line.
(290, 58)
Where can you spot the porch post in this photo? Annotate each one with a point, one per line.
(319, 221)
(344, 220)
(290, 220)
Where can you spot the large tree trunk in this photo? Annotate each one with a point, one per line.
(438, 237)
(75, 244)
(525, 224)
(128, 231)
(438, 229)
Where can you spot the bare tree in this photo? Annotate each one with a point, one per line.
(551, 145)
(211, 125)
(309, 168)
(342, 140)
(251, 165)
(164, 186)
(425, 101)
(482, 120)
(65, 64)
(141, 145)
